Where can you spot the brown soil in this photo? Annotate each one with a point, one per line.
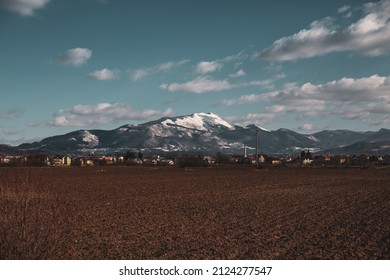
(210, 213)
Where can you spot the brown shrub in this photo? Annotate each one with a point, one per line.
(33, 220)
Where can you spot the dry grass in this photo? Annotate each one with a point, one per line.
(33, 221)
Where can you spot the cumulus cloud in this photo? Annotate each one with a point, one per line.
(248, 119)
(347, 98)
(141, 73)
(100, 114)
(370, 35)
(237, 58)
(203, 84)
(239, 73)
(343, 9)
(199, 85)
(23, 7)
(268, 83)
(104, 74)
(308, 127)
(168, 66)
(343, 90)
(205, 67)
(250, 98)
(75, 57)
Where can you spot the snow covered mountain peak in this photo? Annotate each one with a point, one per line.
(199, 121)
(206, 133)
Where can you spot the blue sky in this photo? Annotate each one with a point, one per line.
(302, 65)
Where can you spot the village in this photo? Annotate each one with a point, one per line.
(305, 158)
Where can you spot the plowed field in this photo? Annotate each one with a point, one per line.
(199, 213)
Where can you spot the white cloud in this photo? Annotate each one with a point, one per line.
(346, 11)
(247, 99)
(23, 7)
(168, 66)
(364, 98)
(236, 58)
(369, 24)
(239, 73)
(141, 73)
(263, 83)
(100, 114)
(199, 85)
(104, 74)
(347, 89)
(75, 57)
(248, 119)
(343, 9)
(308, 127)
(370, 36)
(206, 67)
(204, 84)
(344, 90)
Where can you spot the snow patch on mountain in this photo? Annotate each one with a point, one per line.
(128, 128)
(311, 137)
(158, 130)
(168, 122)
(264, 129)
(90, 138)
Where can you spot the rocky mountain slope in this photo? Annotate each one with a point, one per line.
(208, 133)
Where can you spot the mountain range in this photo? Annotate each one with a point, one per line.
(204, 133)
